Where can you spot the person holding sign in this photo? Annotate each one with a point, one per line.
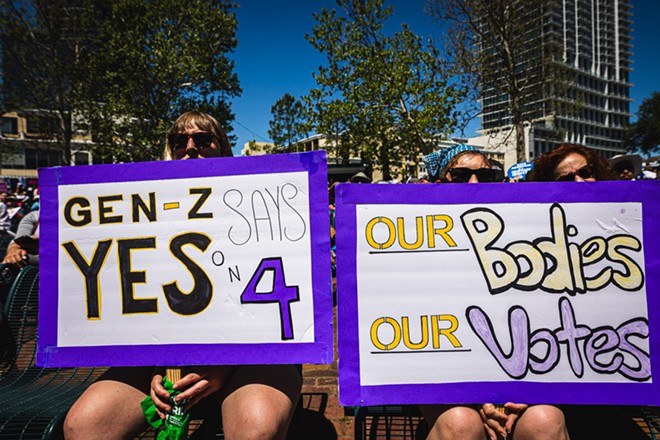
(571, 163)
(576, 163)
(466, 164)
(257, 401)
(460, 164)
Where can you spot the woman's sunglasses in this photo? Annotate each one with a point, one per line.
(179, 141)
(463, 175)
(586, 172)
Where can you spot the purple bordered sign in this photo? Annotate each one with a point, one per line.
(215, 261)
(534, 293)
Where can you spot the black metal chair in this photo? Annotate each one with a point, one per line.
(34, 400)
(389, 422)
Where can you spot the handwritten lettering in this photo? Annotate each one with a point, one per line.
(183, 303)
(258, 216)
(607, 350)
(552, 264)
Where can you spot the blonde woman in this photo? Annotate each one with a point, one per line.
(257, 401)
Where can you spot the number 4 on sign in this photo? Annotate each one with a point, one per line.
(280, 293)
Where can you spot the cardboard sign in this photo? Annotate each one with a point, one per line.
(531, 293)
(214, 261)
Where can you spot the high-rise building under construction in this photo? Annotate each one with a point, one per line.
(582, 95)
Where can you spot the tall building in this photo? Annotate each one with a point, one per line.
(586, 46)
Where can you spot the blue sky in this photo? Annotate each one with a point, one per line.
(273, 57)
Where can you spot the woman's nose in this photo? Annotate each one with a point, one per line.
(473, 179)
(191, 148)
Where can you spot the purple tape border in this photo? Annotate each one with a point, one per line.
(351, 392)
(321, 351)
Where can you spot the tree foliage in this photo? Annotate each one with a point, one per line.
(501, 44)
(47, 67)
(382, 97)
(128, 67)
(288, 122)
(164, 57)
(644, 134)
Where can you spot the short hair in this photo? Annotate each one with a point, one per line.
(204, 122)
(545, 165)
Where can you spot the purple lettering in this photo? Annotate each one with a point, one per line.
(570, 333)
(636, 327)
(514, 364)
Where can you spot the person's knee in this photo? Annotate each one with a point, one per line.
(260, 420)
(542, 421)
(110, 407)
(78, 422)
(257, 412)
(545, 415)
(459, 422)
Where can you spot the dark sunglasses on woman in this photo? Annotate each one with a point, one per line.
(179, 141)
(586, 172)
(463, 175)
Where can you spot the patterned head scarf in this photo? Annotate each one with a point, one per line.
(438, 160)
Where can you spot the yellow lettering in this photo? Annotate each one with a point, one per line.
(402, 235)
(406, 332)
(374, 333)
(370, 233)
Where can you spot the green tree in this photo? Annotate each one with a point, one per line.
(47, 67)
(163, 57)
(644, 134)
(382, 97)
(124, 70)
(287, 124)
(503, 45)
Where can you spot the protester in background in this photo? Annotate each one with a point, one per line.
(34, 200)
(257, 401)
(24, 249)
(360, 178)
(461, 164)
(14, 210)
(466, 164)
(627, 166)
(570, 162)
(5, 220)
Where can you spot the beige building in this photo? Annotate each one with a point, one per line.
(341, 171)
(337, 170)
(27, 142)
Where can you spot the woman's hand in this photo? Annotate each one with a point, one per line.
(198, 383)
(514, 410)
(499, 423)
(160, 396)
(16, 255)
(495, 421)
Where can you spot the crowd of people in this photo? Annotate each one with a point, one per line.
(257, 401)
(19, 225)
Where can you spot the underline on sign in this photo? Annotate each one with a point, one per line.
(418, 251)
(421, 351)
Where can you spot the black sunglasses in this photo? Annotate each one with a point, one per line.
(586, 172)
(623, 167)
(179, 141)
(463, 175)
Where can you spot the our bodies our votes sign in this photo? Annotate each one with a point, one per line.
(498, 292)
(214, 261)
